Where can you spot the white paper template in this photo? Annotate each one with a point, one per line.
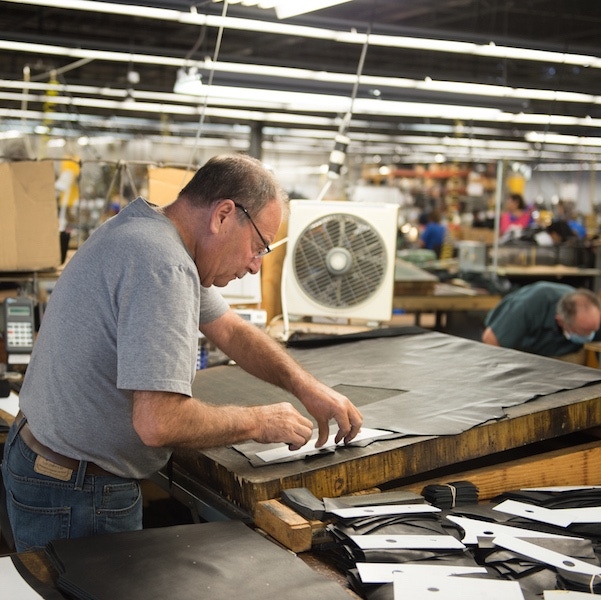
(562, 517)
(404, 542)
(475, 529)
(562, 488)
(549, 557)
(13, 585)
(383, 572)
(454, 588)
(10, 404)
(283, 451)
(383, 510)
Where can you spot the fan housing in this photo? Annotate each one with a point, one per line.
(340, 259)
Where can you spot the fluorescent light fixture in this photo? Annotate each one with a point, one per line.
(289, 8)
(293, 8)
(194, 18)
(556, 138)
(11, 134)
(187, 73)
(188, 81)
(248, 101)
(569, 167)
(57, 143)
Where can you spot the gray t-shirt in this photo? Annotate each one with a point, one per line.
(123, 316)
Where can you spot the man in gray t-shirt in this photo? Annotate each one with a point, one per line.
(107, 394)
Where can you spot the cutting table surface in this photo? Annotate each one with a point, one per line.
(550, 413)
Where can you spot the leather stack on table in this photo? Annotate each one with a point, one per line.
(218, 560)
(535, 577)
(346, 553)
(449, 495)
(534, 572)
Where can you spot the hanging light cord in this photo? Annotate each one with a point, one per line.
(336, 159)
(209, 83)
(347, 118)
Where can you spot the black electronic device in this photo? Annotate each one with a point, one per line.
(19, 324)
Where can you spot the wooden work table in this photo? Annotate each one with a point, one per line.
(553, 421)
(558, 271)
(524, 274)
(400, 461)
(396, 462)
(444, 299)
(526, 269)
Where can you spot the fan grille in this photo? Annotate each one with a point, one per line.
(339, 260)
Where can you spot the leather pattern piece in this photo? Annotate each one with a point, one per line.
(304, 503)
(316, 340)
(451, 494)
(376, 499)
(577, 498)
(346, 553)
(535, 577)
(217, 560)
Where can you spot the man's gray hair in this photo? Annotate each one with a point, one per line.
(568, 305)
(236, 177)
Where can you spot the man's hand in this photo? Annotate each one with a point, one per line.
(326, 404)
(282, 423)
(243, 342)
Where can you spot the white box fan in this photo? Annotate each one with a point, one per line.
(340, 260)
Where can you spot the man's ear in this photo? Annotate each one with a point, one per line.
(559, 321)
(220, 212)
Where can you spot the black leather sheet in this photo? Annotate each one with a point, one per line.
(426, 384)
(220, 560)
(440, 384)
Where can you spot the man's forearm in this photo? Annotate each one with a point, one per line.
(263, 357)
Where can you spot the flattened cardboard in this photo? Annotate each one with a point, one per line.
(29, 231)
(165, 183)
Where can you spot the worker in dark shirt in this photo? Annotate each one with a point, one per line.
(550, 319)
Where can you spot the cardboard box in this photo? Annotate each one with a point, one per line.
(165, 183)
(29, 232)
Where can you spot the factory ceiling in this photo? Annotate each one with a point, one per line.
(406, 79)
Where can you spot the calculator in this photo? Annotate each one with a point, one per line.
(19, 325)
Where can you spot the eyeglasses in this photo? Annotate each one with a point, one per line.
(266, 249)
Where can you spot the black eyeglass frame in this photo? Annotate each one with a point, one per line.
(266, 250)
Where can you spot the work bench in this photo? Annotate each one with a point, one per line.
(444, 299)
(550, 439)
(560, 420)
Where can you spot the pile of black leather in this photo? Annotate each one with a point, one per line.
(579, 541)
(218, 560)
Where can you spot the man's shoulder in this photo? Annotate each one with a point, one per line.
(546, 289)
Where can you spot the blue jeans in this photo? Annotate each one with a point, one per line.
(41, 508)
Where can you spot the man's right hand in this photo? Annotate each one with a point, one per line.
(282, 423)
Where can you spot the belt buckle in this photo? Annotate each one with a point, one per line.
(43, 466)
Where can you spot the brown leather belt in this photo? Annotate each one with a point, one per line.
(51, 455)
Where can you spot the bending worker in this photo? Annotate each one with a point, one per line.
(550, 319)
(107, 395)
